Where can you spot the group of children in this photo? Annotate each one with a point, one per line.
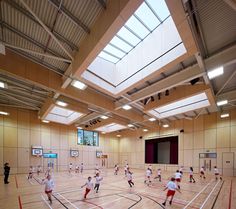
(78, 168)
(32, 171)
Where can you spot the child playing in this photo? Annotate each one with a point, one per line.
(158, 174)
(49, 185)
(172, 187)
(150, 168)
(130, 178)
(70, 167)
(30, 176)
(148, 176)
(116, 169)
(38, 170)
(126, 169)
(191, 175)
(89, 186)
(81, 168)
(217, 173)
(98, 179)
(178, 177)
(77, 169)
(202, 172)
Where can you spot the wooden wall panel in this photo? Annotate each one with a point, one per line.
(23, 156)
(11, 119)
(23, 119)
(198, 140)
(188, 141)
(210, 139)
(210, 121)
(198, 123)
(23, 138)
(35, 137)
(1, 136)
(223, 137)
(45, 140)
(10, 136)
(188, 126)
(222, 122)
(233, 137)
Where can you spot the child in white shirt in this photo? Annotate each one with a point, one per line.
(202, 172)
(89, 186)
(130, 178)
(158, 174)
(49, 186)
(98, 179)
(191, 175)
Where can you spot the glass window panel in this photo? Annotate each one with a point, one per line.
(114, 51)
(137, 27)
(160, 8)
(108, 57)
(121, 44)
(147, 16)
(128, 36)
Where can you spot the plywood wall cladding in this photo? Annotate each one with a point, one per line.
(206, 133)
(22, 129)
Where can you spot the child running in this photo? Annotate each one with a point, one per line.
(148, 176)
(81, 168)
(30, 175)
(70, 167)
(116, 169)
(172, 187)
(191, 179)
(130, 178)
(202, 172)
(77, 169)
(158, 174)
(178, 177)
(217, 173)
(98, 179)
(49, 185)
(89, 186)
(126, 169)
(38, 170)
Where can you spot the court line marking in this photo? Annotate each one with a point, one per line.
(29, 180)
(230, 194)
(68, 201)
(19, 201)
(197, 195)
(104, 203)
(46, 202)
(209, 194)
(16, 182)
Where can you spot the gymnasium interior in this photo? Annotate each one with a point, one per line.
(143, 83)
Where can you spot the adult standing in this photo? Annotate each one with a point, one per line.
(6, 173)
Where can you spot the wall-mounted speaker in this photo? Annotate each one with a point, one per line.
(140, 137)
(181, 131)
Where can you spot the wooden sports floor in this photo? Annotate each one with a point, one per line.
(115, 192)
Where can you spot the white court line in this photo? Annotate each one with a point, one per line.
(46, 202)
(209, 195)
(106, 202)
(29, 180)
(197, 195)
(74, 190)
(68, 201)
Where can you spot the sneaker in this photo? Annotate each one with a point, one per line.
(170, 202)
(179, 186)
(194, 182)
(164, 203)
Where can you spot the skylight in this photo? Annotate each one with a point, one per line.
(146, 18)
(110, 128)
(62, 115)
(184, 105)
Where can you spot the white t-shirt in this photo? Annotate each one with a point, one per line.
(70, 166)
(178, 175)
(49, 184)
(129, 176)
(30, 170)
(89, 184)
(202, 170)
(39, 169)
(171, 186)
(148, 173)
(216, 171)
(190, 172)
(158, 172)
(98, 179)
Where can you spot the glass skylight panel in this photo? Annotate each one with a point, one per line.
(160, 8)
(121, 44)
(146, 15)
(128, 36)
(114, 51)
(137, 27)
(108, 57)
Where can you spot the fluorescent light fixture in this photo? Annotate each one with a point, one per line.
(63, 115)
(60, 103)
(104, 117)
(145, 130)
(216, 72)
(3, 85)
(126, 107)
(182, 106)
(45, 121)
(165, 125)
(4, 113)
(78, 85)
(222, 102)
(152, 119)
(79, 127)
(225, 115)
(130, 125)
(103, 132)
(118, 135)
(110, 127)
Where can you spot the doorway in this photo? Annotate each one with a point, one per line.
(208, 164)
(228, 163)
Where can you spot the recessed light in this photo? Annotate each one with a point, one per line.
(165, 125)
(103, 132)
(79, 85)
(222, 102)
(152, 119)
(4, 113)
(118, 135)
(79, 127)
(130, 125)
(145, 130)
(104, 117)
(60, 103)
(216, 72)
(3, 85)
(126, 107)
(45, 121)
(225, 115)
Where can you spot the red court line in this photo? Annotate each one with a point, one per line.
(16, 182)
(230, 194)
(19, 201)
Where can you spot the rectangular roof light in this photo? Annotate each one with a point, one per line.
(60, 103)
(222, 102)
(79, 85)
(110, 127)
(126, 107)
(4, 113)
(226, 115)
(152, 119)
(216, 72)
(104, 117)
(3, 85)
